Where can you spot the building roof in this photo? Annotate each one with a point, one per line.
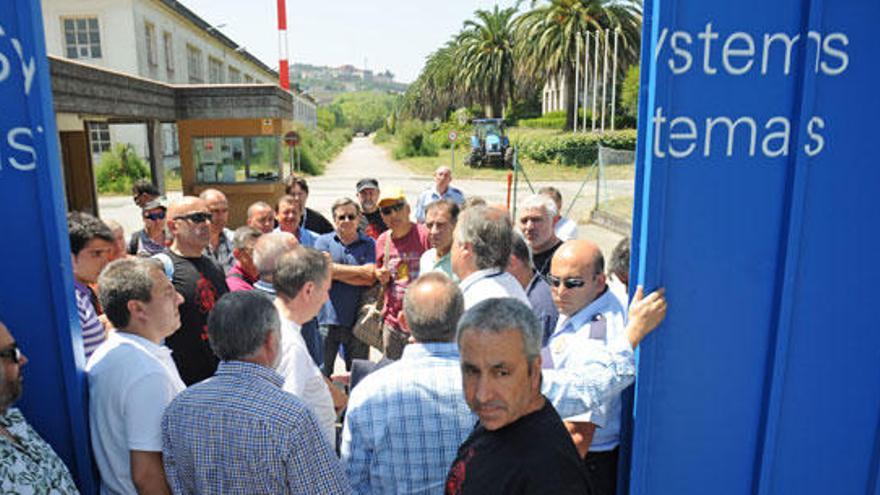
(215, 33)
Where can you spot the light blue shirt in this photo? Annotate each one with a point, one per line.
(584, 337)
(428, 196)
(405, 422)
(306, 237)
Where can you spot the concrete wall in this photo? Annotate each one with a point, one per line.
(115, 23)
(183, 33)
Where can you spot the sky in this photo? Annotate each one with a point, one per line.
(388, 34)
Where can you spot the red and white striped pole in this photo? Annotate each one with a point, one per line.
(283, 67)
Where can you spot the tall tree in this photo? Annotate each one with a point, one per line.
(485, 58)
(547, 37)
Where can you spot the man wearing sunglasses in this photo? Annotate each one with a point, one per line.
(591, 320)
(406, 242)
(200, 281)
(354, 256)
(27, 463)
(151, 239)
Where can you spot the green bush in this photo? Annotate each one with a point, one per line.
(319, 146)
(553, 120)
(573, 149)
(414, 139)
(382, 136)
(119, 168)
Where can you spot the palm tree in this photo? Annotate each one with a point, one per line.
(485, 58)
(548, 36)
(435, 88)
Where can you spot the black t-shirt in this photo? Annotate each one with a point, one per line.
(372, 224)
(316, 222)
(542, 260)
(201, 282)
(532, 455)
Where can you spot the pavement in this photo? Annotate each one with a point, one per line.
(362, 158)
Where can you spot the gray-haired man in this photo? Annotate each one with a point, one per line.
(480, 254)
(240, 432)
(132, 377)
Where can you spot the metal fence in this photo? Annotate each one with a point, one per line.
(604, 194)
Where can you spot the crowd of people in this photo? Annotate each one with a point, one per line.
(212, 353)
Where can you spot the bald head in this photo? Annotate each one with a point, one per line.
(442, 178)
(269, 248)
(577, 275)
(432, 307)
(189, 222)
(584, 254)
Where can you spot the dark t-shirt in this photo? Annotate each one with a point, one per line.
(316, 222)
(372, 224)
(532, 455)
(201, 282)
(542, 260)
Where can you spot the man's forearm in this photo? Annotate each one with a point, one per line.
(354, 274)
(580, 388)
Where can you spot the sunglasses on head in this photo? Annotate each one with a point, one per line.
(159, 215)
(387, 210)
(350, 216)
(197, 217)
(12, 353)
(569, 283)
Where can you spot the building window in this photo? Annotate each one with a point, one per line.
(81, 38)
(234, 75)
(169, 51)
(99, 137)
(194, 64)
(248, 78)
(150, 37)
(215, 71)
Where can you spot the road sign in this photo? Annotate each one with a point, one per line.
(453, 135)
(291, 138)
(757, 190)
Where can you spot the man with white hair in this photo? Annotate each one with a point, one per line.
(536, 224)
(441, 190)
(480, 254)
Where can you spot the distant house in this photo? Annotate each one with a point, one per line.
(554, 97)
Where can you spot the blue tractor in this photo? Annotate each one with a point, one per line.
(489, 145)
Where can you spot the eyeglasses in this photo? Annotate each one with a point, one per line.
(387, 210)
(197, 217)
(569, 283)
(155, 216)
(350, 216)
(12, 353)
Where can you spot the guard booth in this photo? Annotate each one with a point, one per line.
(757, 208)
(232, 143)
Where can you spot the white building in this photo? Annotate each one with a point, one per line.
(554, 97)
(156, 39)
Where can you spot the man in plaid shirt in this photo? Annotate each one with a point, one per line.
(239, 432)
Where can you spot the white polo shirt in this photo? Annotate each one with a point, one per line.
(131, 381)
(303, 379)
(491, 283)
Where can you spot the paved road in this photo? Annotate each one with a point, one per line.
(364, 159)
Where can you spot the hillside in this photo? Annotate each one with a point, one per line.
(324, 83)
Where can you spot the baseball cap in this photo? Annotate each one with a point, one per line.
(392, 195)
(152, 205)
(367, 183)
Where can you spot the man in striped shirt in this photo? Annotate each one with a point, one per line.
(91, 243)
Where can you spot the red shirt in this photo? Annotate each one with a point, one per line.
(403, 263)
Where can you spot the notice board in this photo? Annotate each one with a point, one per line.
(757, 208)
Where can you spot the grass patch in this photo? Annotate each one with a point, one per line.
(621, 207)
(425, 166)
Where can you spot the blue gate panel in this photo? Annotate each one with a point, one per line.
(763, 378)
(36, 299)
